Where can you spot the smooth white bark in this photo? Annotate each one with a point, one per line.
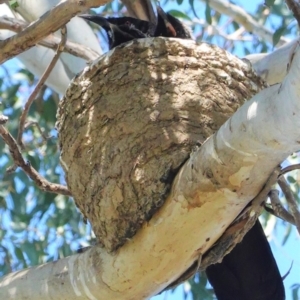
(272, 67)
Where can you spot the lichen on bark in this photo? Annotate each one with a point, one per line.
(131, 119)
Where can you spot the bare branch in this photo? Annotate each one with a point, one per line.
(51, 41)
(39, 85)
(288, 272)
(262, 196)
(19, 161)
(61, 13)
(289, 169)
(290, 200)
(277, 208)
(12, 24)
(34, 123)
(242, 17)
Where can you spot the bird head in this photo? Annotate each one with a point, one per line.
(169, 26)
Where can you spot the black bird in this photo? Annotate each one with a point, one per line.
(121, 30)
(249, 271)
(125, 29)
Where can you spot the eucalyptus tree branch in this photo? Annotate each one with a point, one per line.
(19, 161)
(50, 41)
(13, 145)
(36, 124)
(39, 85)
(48, 23)
(277, 208)
(273, 67)
(233, 235)
(290, 168)
(243, 18)
(290, 200)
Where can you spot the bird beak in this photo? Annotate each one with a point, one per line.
(164, 16)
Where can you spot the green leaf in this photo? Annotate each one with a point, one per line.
(33, 160)
(269, 3)
(34, 251)
(291, 179)
(27, 75)
(65, 250)
(19, 254)
(13, 4)
(11, 91)
(50, 108)
(295, 290)
(277, 35)
(286, 234)
(178, 14)
(208, 13)
(191, 2)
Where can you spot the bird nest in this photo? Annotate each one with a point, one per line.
(129, 121)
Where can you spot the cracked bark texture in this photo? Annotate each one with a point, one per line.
(130, 120)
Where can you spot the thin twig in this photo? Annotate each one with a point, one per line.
(288, 272)
(277, 208)
(289, 169)
(19, 161)
(51, 41)
(290, 200)
(262, 196)
(34, 123)
(39, 86)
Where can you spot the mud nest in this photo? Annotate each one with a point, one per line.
(130, 120)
